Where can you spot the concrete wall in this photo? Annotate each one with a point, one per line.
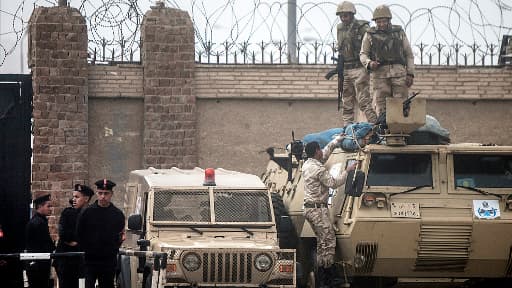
(116, 123)
(243, 109)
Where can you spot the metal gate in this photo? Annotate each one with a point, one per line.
(15, 171)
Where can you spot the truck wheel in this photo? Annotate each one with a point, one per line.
(377, 282)
(312, 280)
(279, 209)
(306, 255)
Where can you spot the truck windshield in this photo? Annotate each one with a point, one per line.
(485, 171)
(194, 206)
(397, 169)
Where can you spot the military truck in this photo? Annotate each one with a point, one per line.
(217, 228)
(416, 211)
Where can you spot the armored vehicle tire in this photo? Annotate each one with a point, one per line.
(312, 280)
(377, 282)
(306, 252)
(279, 209)
(285, 229)
(485, 283)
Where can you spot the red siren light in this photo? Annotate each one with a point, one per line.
(209, 177)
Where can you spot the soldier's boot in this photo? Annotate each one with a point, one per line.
(334, 278)
(323, 278)
(328, 278)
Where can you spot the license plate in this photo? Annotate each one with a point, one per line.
(405, 210)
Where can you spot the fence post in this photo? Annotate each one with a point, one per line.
(226, 49)
(422, 47)
(103, 45)
(262, 46)
(456, 47)
(333, 49)
(299, 45)
(474, 47)
(491, 48)
(439, 47)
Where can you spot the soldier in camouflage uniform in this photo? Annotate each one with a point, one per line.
(317, 181)
(356, 84)
(387, 54)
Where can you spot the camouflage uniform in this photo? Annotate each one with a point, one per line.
(392, 49)
(317, 181)
(356, 79)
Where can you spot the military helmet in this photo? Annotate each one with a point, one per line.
(382, 11)
(345, 6)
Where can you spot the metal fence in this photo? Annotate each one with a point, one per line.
(450, 32)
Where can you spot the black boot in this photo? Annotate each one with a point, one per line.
(323, 277)
(330, 278)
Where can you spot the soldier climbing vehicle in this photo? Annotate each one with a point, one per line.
(417, 208)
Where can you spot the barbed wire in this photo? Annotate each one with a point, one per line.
(241, 28)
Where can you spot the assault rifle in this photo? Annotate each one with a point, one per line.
(340, 62)
(407, 104)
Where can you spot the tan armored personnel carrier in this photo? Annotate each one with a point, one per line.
(216, 226)
(418, 211)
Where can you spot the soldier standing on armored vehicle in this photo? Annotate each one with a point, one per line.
(317, 181)
(356, 84)
(387, 54)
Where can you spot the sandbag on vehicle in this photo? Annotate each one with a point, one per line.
(355, 134)
(323, 137)
(352, 133)
(431, 133)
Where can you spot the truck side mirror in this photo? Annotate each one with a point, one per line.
(355, 183)
(135, 222)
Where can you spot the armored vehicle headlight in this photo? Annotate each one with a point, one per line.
(263, 262)
(191, 261)
(369, 199)
(359, 261)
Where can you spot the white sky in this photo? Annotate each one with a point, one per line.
(429, 22)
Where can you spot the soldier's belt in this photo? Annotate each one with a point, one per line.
(315, 205)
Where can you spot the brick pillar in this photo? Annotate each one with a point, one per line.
(58, 58)
(169, 103)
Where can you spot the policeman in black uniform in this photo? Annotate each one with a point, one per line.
(100, 233)
(38, 240)
(69, 269)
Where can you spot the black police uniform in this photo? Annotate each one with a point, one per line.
(69, 269)
(99, 234)
(38, 240)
